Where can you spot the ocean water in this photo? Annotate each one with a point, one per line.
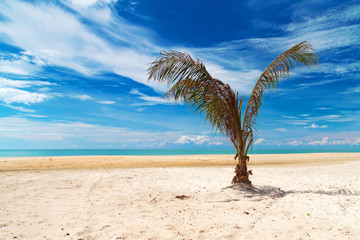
(150, 152)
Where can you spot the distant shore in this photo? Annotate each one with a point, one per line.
(69, 162)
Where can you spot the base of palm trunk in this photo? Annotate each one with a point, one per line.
(242, 175)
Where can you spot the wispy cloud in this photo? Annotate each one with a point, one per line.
(260, 141)
(19, 108)
(23, 84)
(316, 126)
(10, 92)
(331, 19)
(36, 116)
(295, 143)
(197, 140)
(334, 117)
(148, 100)
(352, 90)
(82, 97)
(71, 44)
(13, 95)
(325, 141)
(106, 102)
(20, 64)
(290, 117)
(318, 83)
(84, 4)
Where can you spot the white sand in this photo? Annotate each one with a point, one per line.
(293, 202)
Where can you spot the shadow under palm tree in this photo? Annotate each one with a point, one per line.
(258, 193)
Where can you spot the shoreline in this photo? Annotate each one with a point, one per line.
(78, 162)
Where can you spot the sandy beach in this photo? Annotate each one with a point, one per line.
(294, 196)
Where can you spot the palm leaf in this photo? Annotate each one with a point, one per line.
(192, 84)
(301, 53)
(173, 66)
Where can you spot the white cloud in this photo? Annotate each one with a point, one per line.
(306, 85)
(356, 142)
(300, 122)
(201, 140)
(19, 67)
(13, 95)
(20, 64)
(336, 28)
(106, 102)
(36, 116)
(352, 90)
(339, 142)
(295, 142)
(316, 126)
(330, 19)
(70, 43)
(22, 84)
(184, 139)
(82, 97)
(290, 117)
(260, 141)
(332, 118)
(197, 140)
(324, 141)
(149, 100)
(327, 141)
(19, 108)
(163, 143)
(86, 3)
(281, 130)
(9, 92)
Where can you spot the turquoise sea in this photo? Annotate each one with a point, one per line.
(151, 152)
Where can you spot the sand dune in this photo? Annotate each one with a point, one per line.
(287, 202)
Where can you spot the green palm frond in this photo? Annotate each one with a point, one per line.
(173, 66)
(221, 106)
(301, 53)
(192, 84)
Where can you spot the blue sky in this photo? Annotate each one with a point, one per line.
(73, 72)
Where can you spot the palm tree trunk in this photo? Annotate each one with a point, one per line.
(241, 172)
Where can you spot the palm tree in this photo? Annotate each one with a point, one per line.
(222, 106)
